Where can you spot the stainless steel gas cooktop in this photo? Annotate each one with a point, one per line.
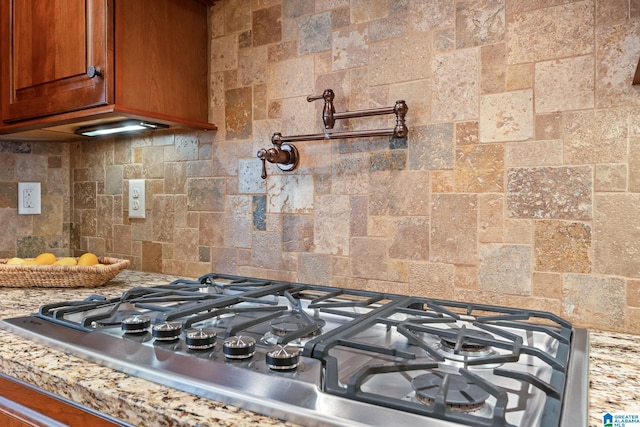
(321, 356)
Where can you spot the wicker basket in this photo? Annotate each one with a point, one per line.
(60, 276)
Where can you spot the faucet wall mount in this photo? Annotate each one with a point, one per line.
(286, 156)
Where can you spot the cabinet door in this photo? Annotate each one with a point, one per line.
(47, 47)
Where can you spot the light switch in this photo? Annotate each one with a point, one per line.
(136, 198)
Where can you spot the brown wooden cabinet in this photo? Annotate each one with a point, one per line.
(24, 405)
(66, 63)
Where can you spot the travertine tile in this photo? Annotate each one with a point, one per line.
(519, 76)
(384, 66)
(527, 43)
(493, 59)
(479, 22)
(205, 194)
(394, 201)
(454, 228)
(545, 192)
(431, 280)
(548, 126)
(610, 177)
(314, 268)
(547, 285)
(252, 66)
(617, 59)
(224, 54)
(594, 301)
(331, 225)
(296, 8)
(479, 168)
(633, 293)
(290, 193)
(467, 133)
(534, 153)
(460, 101)
(410, 238)
(428, 15)
(238, 113)
(297, 233)
(266, 250)
(369, 258)
(365, 10)
(349, 174)
(163, 220)
(350, 47)
(616, 237)
(322, 5)
(598, 136)
(575, 78)
(634, 164)
(431, 147)
(506, 116)
(393, 26)
(266, 25)
(249, 180)
(562, 246)
(291, 77)
(490, 218)
(505, 269)
(315, 33)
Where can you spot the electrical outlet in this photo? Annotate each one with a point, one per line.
(29, 198)
(136, 198)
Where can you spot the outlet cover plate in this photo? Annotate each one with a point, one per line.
(29, 202)
(137, 205)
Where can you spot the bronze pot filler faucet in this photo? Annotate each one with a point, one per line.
(286, 156)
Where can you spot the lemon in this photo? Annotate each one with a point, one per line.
(45, 258)
(30, 262)
(66, 261)
(15, 261)
(88, 259)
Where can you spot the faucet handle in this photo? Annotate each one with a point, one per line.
(327, 95)
(262, 155)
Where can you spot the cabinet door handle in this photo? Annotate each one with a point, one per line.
(93, 71)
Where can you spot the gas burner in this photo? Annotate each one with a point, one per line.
(239, 347)
(136, 324)
(166, 331)
(467, 346)
(283, 358)
(200, 339)
(115, 319)
(461, 394)
(284, 325)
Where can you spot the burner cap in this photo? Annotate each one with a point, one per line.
(293, 322)
(239, 347)
(283, 358)
(462, 394)
(200, 339)
(135, 324)
(468, 347)
(166, 331)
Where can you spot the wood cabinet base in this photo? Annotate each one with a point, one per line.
(24, 405)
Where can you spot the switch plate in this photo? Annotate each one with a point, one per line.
(29, 198)
(136, 198)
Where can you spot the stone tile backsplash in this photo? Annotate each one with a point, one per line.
(518, 185)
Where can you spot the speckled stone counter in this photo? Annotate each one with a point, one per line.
(614, 370)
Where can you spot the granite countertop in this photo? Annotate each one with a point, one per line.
(614, 370)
